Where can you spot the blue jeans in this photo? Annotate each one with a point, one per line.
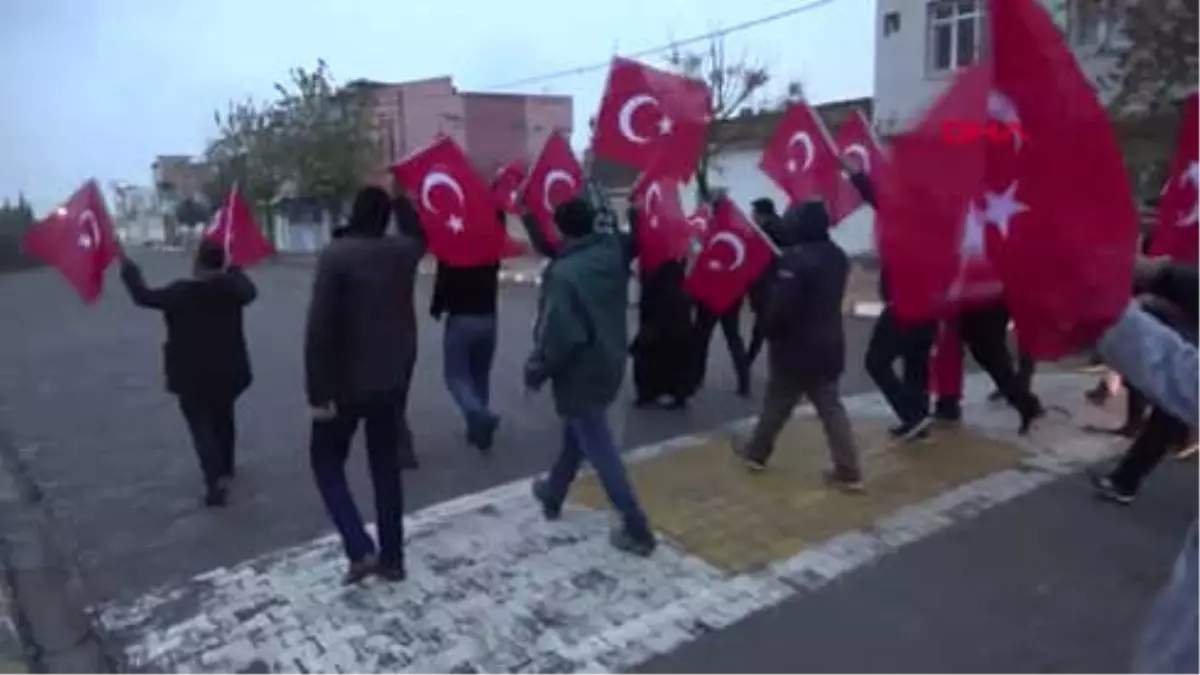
(1168, 642)
(468, 345)
(328, 450)
(587, 436)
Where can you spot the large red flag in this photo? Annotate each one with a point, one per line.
(556, 177)
(234, 228)
(457, 211)
(858, 145)
(506, 185)
(663, 231)
(648, 113)
(78, 240)
(1068, 249)
(929, 229)
(1175, 232)
(733, 256)
(801, 157)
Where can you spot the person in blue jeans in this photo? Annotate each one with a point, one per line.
(579, 347)
(467, 295)
(360, 345)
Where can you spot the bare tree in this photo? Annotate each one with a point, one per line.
(733, 81)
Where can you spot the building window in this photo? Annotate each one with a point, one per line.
(1090, 23)
(891, 23)
(955, 34)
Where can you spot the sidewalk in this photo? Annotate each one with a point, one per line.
(494, 588)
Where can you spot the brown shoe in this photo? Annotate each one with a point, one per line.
(360, 570)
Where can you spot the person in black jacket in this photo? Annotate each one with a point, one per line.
(763, 212)
(360, 346)
(205, 358)
(893, 341)
(806, 344)
(467, 295)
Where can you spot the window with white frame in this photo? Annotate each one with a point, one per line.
(955, 34)
(1091, 23)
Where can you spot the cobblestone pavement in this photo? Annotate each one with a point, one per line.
(494, 588)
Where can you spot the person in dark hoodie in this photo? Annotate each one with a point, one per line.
(467, 295)
(662, 349)
(763, 212)
(892, 341)
(205, 358)
(359, 350)
(580, 347)
(806, 344)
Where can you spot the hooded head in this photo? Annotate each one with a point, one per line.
(370, 213)
(210, 258)
(763, 210)
(575, 218)
(805, 223)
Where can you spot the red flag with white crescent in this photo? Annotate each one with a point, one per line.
(858, 145)
(663, 231)
(732, 257)
(1175, 234)
(234, 229)
(556, 176)
(78, 240)
(801, 157)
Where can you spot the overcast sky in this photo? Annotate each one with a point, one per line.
(99, 87)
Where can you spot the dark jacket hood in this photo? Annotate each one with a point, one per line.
(804, 223)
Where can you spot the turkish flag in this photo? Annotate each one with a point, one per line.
(1175, 233)
(647, 113)
(555, 178)
(457, 210)
(1068, 252)
(506, 186)
(663, 231)
(858, 145)
(929, 229)
(234, 228)
(733, 255)
(700, 219)
(78, 240)
(801, 157)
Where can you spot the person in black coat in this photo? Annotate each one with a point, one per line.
(204, 357)
(662, 349)
(763, 212)
(806, 343)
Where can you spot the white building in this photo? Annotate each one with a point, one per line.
(919, 45)
(137, 214)
(735, 170)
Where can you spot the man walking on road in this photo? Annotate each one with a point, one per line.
(806, 345)
(205, 359)
(359, 349)
(580, 347)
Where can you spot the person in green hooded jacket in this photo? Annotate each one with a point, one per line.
(580, 346)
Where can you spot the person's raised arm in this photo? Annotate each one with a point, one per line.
(243, 287)
(141, 294)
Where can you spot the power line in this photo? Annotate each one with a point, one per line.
(601, 65)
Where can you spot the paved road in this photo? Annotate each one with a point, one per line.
(81, 396)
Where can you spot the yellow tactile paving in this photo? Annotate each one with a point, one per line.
(741, 521)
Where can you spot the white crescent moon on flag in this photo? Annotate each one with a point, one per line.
(738, 246)
(698, 222)
(435, 179)
(864, 158)
(555, 176)
(804, 139)
(653, 193)
(88, 219)
(1192, 175)
(625, 116)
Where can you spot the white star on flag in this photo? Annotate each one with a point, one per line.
(85, 241)
(455, 224)
(665, 125)
(972, 243)
(1002, 207)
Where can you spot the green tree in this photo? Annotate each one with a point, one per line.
(15, 220)
(249, 150)
(328, 144)
(1155, 57)
(732, 81)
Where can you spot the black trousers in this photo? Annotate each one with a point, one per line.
(891, 341)
(1161, 434)
(984, 332)
(210, 422)
(758, 339)
(730, 322)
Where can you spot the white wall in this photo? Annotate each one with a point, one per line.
(737, 172)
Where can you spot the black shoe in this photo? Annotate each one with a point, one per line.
(359, 570)
(836, 481)
(743, 387)
(391, 573)
(487, 432)
(911, 431)
(1029, 416)
(541, 494)
(639, 546)
(1106, 490)
(216, 496)
(947, 411)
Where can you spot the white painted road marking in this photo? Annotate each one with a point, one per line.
(494, 588)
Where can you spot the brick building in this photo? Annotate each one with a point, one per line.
(492, 128)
